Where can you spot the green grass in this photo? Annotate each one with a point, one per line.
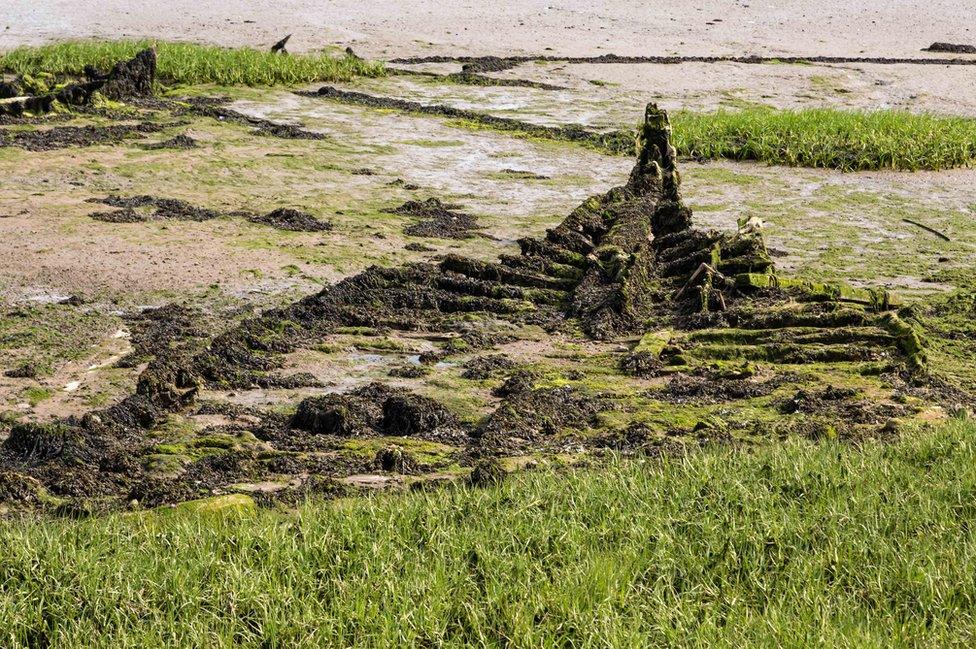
(833, 139)
(815, 137)
(37, 394)
(186, 63)
(792, 544)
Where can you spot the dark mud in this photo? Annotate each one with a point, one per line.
(394, 459)
(709, 387)
(136, 209)
(487, 472)
(290, 219)
(378, 410)
(517, 382)
(10, 89)
(471, 79)
(63, 137)
(480, 368)
(162, 209)
(549, 418)
(24, 371)
(153, 331)
(615, 142)
(410, 371)
(439, 220)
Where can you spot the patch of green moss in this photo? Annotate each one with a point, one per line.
(425, 452)
(36, 394)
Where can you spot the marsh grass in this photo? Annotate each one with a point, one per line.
(188, 64)
(828, 138)
(792, 544)
(819, 138)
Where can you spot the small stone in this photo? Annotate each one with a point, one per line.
(487, 473)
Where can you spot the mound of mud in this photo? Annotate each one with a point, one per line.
(23, 371)
(714, 387)
(133, 78)
(154, 331)
(375, 410)
(517, 382)
(951, 48)
(9, 90)
(487, 472)
(524, 175)
(439, 220)
(285, 218)
(18, 490)
(32, 443)
(419, 416)
(179, 142)
(347, 415)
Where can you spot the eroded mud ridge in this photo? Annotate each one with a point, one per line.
(60, 137)
(499, 63)
(702, 341)
(135, 209)
(473, 74)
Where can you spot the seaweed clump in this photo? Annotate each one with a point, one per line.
(439, 220)
(135, 209)
(377, 410)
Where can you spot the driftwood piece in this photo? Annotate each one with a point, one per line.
(942, 236)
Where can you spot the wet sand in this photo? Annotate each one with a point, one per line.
(419, 27)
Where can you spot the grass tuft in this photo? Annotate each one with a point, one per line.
(187, 63)
(792, 544)
(827, 138)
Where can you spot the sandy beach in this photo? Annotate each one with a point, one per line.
(418, 27)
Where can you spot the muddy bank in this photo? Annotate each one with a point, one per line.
(614, 142)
